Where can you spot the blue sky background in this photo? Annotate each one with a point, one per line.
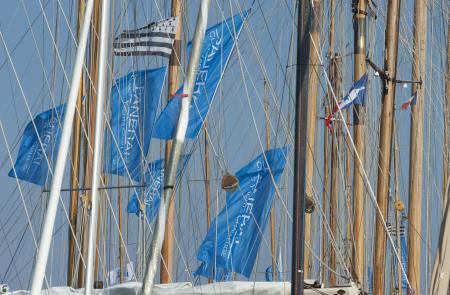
(236, 122)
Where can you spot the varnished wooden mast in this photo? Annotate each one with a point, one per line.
(359, 138)
(272, 212)
(416, 145)
(174, 73)
(385, 142)
(312, 106)
(75, 171)
(90, 122)
(335, 144)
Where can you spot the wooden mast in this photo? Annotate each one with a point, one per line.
(174, 73)
(359, 138)
(385, 142)
(335, 144)
(300, 145)
(416, 145)
(75, 171)
(446, 168)
(272, 212)
(326, 149)
(90, 122)
(316, 15)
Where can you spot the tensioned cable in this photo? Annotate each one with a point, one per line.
(371, 193)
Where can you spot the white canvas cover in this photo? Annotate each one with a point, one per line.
(225, 288)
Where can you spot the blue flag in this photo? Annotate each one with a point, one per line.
(154, 179)
(31, 164)
(216, 51)
(356, 95)
(233, 239)
(134, 101)
(269, 274)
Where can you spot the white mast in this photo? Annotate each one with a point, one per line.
(170, 176)
(50, 215)
(101, 94)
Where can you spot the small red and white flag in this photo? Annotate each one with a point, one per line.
(410, 102)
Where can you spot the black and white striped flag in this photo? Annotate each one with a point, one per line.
(153, 39)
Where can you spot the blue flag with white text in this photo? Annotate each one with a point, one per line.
(217, 47)
(37, 144)
(154, 179)
(233, 238)
(134, 101)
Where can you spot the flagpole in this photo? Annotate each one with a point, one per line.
(52, 206)
(385, 143)
(174, 73)
(177, 146)
(300, 145)
(96, 168)
(75, 171)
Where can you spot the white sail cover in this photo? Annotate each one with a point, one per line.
(226, 288)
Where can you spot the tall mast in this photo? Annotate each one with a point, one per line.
(272, 212)
(174, 74)
(385, 141)
(316, 15)
(335, 144)
(359, 138)
(300, 145)
(75, 171)
(326, 151)
(52, 205)
(177, 148)
(97, 144)
(416, 144)
(90, 122)
(446, 167)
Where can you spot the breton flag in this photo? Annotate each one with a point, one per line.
(153, 39)
(410, 102)
(356, 95)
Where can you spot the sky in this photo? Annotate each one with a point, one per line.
(236, 122)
